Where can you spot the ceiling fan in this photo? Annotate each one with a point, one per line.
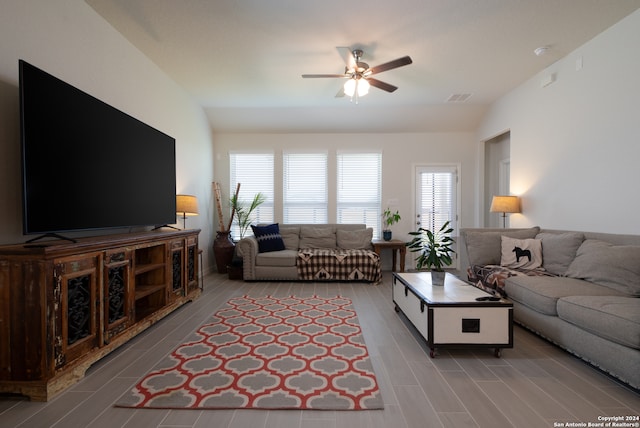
(359, 74)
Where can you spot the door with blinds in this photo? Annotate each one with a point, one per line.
(436, 198)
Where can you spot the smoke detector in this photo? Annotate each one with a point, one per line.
(458, 98)
(541, 50)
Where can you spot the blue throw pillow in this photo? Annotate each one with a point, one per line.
(269, 238)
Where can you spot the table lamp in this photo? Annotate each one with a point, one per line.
(186, 205)
(504, 205)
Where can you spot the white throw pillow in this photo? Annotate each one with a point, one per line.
(521, 253)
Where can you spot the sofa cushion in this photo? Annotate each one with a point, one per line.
(317, 237)
(485, 248)
(290, 236)
(614, 266)
(354, 239)
(612, 317)
(284, 258)
(521, 253)
(559, 250)
(541, 293)
(268, 237)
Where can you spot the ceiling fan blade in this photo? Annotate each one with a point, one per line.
(340, 93)
(405, 60)
(347, 55)
(381, 85)
(307, 76)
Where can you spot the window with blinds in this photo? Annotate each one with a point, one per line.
(436, 188)
(359, 189)
(254, 172)
(304, 195)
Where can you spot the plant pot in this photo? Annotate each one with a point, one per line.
(437, 277)
(223, 249)
(235, 269)
(386, 235)
(235, 272)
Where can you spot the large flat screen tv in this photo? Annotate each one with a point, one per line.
(87, 165)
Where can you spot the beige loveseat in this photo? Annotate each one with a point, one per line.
(584, 295)
(317, 252)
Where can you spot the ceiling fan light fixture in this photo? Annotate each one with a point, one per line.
(358, 75)
(350, 87)
(363, 87)
(355, 86)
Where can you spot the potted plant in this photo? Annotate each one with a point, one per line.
(435, 250)
(389, 219)
(244, 211)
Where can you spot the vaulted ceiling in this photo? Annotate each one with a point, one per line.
(242, 60)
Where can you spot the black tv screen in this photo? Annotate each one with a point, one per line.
(87, 165)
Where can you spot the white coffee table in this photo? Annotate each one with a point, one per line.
(449, 316)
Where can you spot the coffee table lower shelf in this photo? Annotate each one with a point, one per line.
(449, 316)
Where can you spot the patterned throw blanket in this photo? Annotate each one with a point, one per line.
(319, 264)
(490, 278)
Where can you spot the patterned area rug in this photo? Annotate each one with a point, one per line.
(267, 353)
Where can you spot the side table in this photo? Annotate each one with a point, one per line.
(395, 245)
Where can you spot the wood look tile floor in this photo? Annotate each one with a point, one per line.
(535, 384)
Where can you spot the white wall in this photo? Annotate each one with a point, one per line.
(400, 153)
(575, 144)
(69, 40)
(496, 151)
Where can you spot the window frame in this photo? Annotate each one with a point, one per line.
(293, 170)
(264, 183)
(371, 208)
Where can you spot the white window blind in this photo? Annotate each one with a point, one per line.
(359, 189)
(254, 172)
(304, 187)
(436, 187)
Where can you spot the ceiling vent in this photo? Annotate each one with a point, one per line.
(458, 98)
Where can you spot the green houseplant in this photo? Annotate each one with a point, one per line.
(389, 219)
(434, 250)
(244, 210)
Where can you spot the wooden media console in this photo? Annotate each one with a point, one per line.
(64, 306)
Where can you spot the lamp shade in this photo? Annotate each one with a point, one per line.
(359, 85)
(505, 204)
(186, 205)
(363, 87)
(350, 87)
